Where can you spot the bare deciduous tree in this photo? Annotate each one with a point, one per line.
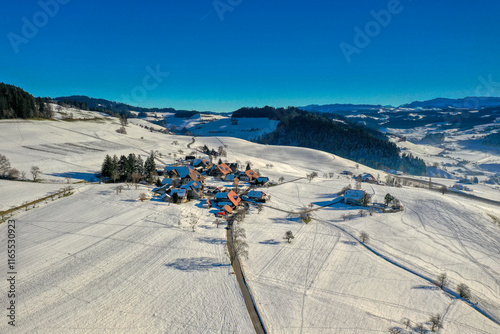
(442, 280)
(193, 221)
(463, 291)
(35, 171)
(13, 174)
(436, 322)
(4, 165)
(311, 176)
(238, 233)
(217, 222)
(136, 177)
(420, 328)
(288, 236)
(240, 250)
(364, 237)
(118, 189)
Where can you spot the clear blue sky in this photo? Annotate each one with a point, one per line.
(276, 52)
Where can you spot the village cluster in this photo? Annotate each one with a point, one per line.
(223, 185)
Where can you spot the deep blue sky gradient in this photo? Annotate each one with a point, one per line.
(276, 52)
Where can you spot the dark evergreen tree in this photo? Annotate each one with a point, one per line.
(139, 165)
(122, 167)
(130, 167)
(150, 167)
(107, 167)
(175, 198)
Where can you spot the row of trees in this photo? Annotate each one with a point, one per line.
(341, 137)
(7, 172)
(131, 168)
(16, 103)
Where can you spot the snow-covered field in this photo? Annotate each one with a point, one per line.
(102, 262)
(325, 281)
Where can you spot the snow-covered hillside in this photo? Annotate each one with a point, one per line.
(98, 261)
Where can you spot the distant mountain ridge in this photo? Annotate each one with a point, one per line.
(85, 102)
(470, 102)
(339, 108)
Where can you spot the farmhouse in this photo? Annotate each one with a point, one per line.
(354, 197)
(221, 169)
(194, 189)
(248, 175)
(200, 163)
(368, 178)
(227, 197)
(257, 196)
(183, 173)
(181, 195)
(262, 180)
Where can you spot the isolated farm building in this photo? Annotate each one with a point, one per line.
(354, 197)
(368, 178)
(465, 181)
(258, 196)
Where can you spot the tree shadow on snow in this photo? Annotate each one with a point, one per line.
(91, 177)
(196, 264)
(425, 287)
(213, 241)
(270, 242)
(287, 221)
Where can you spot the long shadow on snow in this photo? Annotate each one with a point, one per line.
(213, 241)
(270, 242)
(78, 175)
(196, 264)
